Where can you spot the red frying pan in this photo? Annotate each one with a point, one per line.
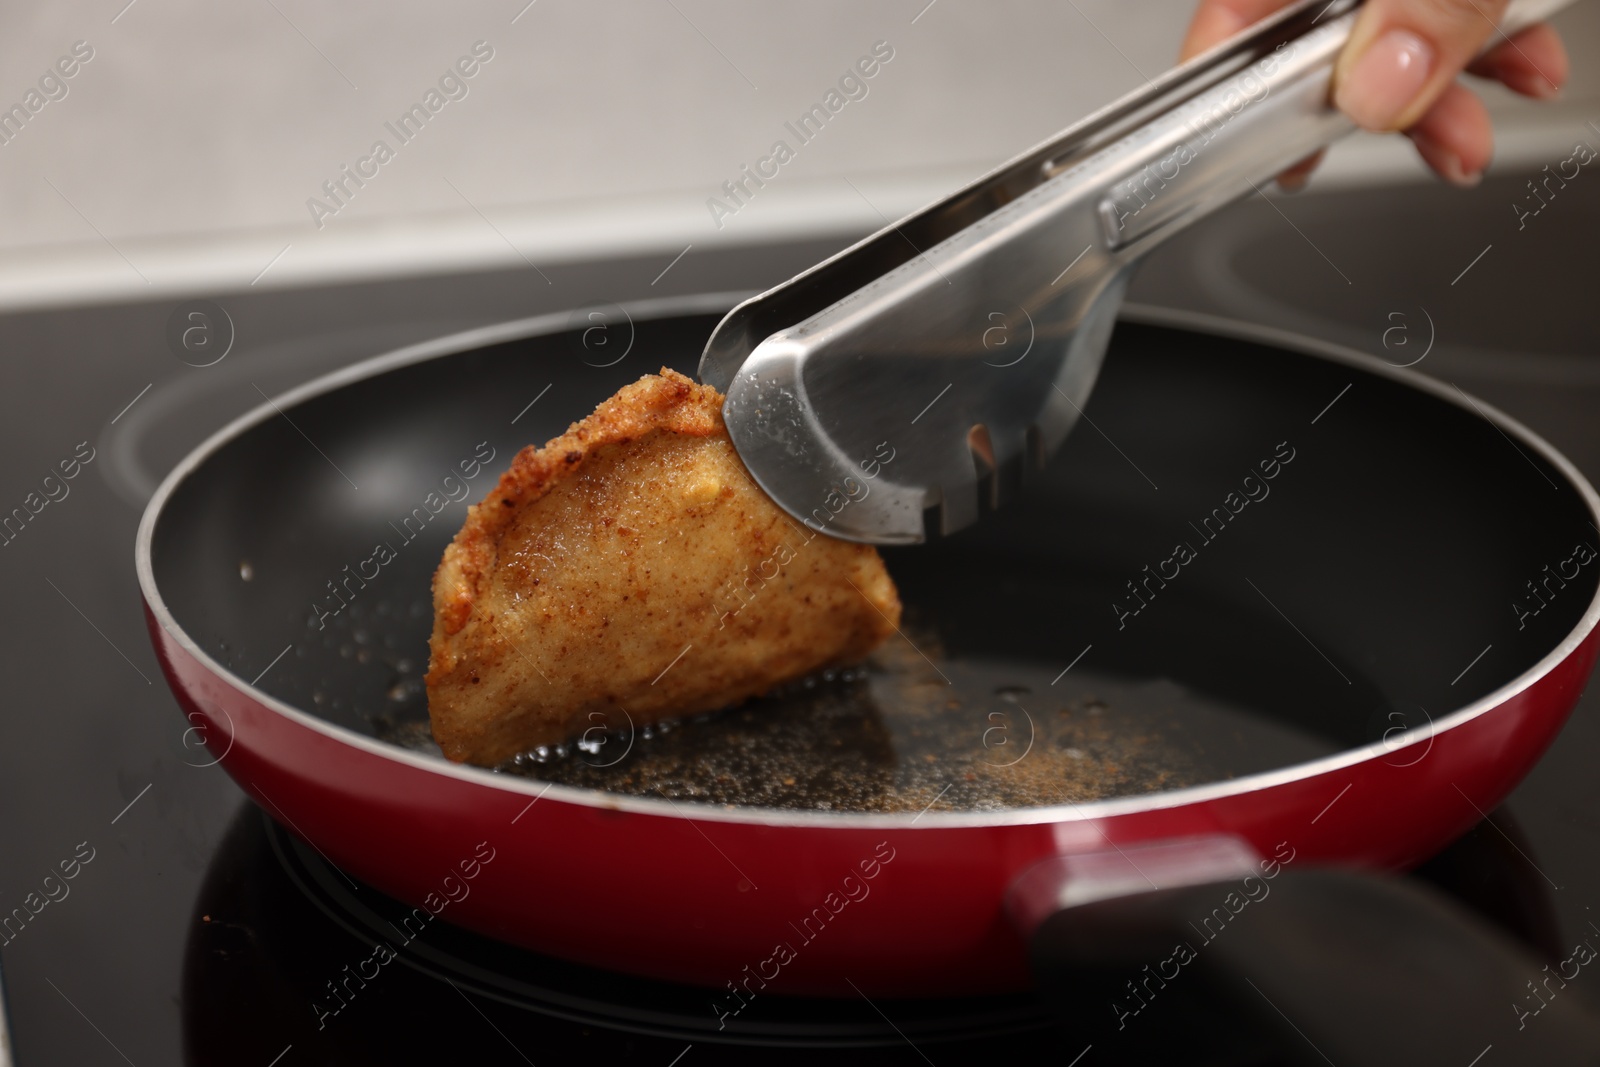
(1281, 614)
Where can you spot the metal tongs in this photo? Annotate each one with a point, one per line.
(902, 386)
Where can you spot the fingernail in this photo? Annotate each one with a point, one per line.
(1386, 79)
(1537, 86)
(1446, 163)
(1451, 170)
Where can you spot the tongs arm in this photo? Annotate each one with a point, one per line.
(838, 367)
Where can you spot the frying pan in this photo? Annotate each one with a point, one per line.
(1084, 741)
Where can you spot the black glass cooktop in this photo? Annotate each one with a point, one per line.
(156, 917)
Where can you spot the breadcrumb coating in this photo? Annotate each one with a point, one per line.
(629, 571)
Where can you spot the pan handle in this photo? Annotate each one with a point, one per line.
(1329, 966)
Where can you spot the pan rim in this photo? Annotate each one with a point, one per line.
(1043, 815)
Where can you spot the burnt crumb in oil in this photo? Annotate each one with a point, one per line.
(358, 668)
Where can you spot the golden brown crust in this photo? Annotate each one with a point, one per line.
(668, 401)
(631, 568)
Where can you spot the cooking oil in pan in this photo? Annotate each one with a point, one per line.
(907, 733)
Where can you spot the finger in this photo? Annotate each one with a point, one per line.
(1533, 63)
(1404, 54)
(1294, 179)
(1455, 136)
(1217, 20)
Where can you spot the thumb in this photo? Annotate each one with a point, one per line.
(1403, 54)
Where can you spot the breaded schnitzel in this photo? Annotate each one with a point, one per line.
(631, 567)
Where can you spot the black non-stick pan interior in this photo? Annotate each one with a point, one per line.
(1154, 612)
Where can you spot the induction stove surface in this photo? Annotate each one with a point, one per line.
(193, 930)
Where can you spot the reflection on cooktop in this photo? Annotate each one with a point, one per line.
(286, 953)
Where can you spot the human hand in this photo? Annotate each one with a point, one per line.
(1399, 72)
